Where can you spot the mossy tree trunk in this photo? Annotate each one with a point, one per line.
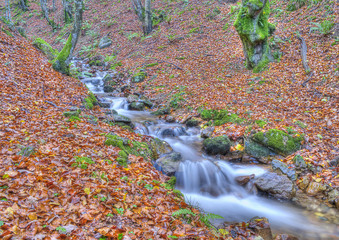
(43, 4)
(61, 62)
(23, 5)
(144, 14)
(254, 29)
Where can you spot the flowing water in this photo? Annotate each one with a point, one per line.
(210, 183)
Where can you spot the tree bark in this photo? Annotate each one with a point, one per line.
(54, 7)
(67, 11)
(44, 9)
(139, 9)
(254, 29)
(8, 11)
(61, 62)
(23, 5)
(148, 17)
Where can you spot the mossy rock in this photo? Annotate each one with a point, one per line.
(193, 122)
(162, 111)
(218, 145)
(159, 148)
(138, 106)
(256, 150)
(72, 113)
(139, 77)
(279, 141)
(90, 101)
(128, 147)
(44, 47)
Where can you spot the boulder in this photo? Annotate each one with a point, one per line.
(169, 163)
(162, 111)
(218, 145)
(303, 184)
(121, 118)
(105, 42)
(299, 162)
(314, 188)
(159, 148)
(193, 122)
(138, 106)
(262, 227)
(108, 83)
(333, 195)
(279, 186)
(283, 168)
(279, 141)
(207, 132)
(105, 104)
(132, 98)
(243, 180)
(170, 119)
(146, 101)
(257, 151)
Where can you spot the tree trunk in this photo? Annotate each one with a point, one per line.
(148, 18)
(54, 7)
(8, 11)
(44, 9)
(61, 62)
(23, 5)
(139, 9)
(67, 11)
(254, 29)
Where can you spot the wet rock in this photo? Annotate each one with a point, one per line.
(333, 195)
(108, 83)
(172, 131)
(334, 162)
(169, 163)
(170, 119)
(299, 162)
(146, 101)
(218, 145)
(72, 113)
(193, 122)
(121, 118)
(303, 184)
(132, 98)
(243, 180)
(283, 168)
(139, 77)
(207, 132)
(159, 148)
(212, 190)
(262, 227)
(257, 151)
(105, 104)
(105, 42)
(279, 186)
(138, 106)
(336, 203)
(279, 141)
(314, 188)
(162, 111)
(285, 237)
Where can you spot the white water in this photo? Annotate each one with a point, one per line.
(209, 183)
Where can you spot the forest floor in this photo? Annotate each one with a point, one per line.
(195, 54)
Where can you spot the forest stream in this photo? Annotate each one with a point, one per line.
(209, 183)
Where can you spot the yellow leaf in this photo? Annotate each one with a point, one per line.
(318, 180)
(87, 191)
(32, 216)
(239, 147)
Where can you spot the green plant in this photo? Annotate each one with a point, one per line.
(148, 187)
(120, 211)
(61, 229)
(185, 213)
(82, 162)
(295, 4)
(324, 28)
(205, 218)
(133, 35)
(110, 215)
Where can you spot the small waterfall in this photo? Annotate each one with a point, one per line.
(119, 103)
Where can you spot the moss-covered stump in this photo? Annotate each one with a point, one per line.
(279, 141)
(128, 147)
(60, 63)
(254, 29)
(44, 47)
(218, 145)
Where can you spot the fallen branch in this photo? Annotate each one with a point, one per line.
(307, 80)
(304, 54)
(53, 104)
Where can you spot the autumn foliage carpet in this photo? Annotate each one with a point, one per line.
(44, 194)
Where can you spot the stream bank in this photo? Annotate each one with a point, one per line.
(211, 183)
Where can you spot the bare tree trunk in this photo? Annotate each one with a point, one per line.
(54, 7)
(67, 11)
(61, 62)
(148, 17)
(8, 11)
(44, 9)
(139, 9)
(23, 5)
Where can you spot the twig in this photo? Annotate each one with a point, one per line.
(30, 223)
(307, 80)
(53, 104)
(304, 54)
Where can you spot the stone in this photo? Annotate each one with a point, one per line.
(121, 118)
(336, 203)
(303, 184)
(193, 122)
(159, 148)
(170, 119)
(105, 42)
(146, 101)
(279, 186)
(105, 104)
(279, 141)
(257, 151)
(207, 132)
(138, 106)
(218, 145)
(108, 83)
(283, 168)
(161, 111)
(334, 162)
(243, 180)
(285, 237)
(299, 162)
(139, 77)
(169, 163)
(314, 188)
(333, 195)
(132, 98)
(262, 227)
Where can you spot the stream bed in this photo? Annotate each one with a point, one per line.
(209, 183)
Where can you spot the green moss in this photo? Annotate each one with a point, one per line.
(278, 141)
(220, 117)
(253, 28)
(7, 32)
(60, 63)
(171, 183)
(43, 46)
(261, 123)
(73, 119)
(128, 147)
(90, 101)
(139, 76)
(72, 113)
